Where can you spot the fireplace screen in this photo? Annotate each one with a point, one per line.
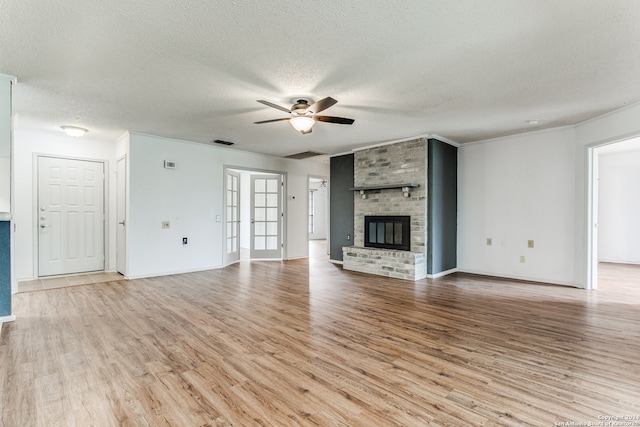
(388, 232)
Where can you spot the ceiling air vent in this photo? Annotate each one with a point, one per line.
(304, 155)
(219, 141)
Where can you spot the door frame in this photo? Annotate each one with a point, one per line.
(285, 198)
(225, 258)
(35, 250)
(126, 215)
(327, 208)
(593, 195)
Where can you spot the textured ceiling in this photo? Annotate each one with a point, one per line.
(193, 70)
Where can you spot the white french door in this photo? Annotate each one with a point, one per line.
(70, 216)
(232, 217)
(266, 216)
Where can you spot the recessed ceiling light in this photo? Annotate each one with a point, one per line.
(533, 122)
(74, 130)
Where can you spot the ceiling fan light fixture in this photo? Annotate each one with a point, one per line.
(74, 131)
(302, 123)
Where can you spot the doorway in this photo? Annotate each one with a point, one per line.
(614, 207)
(318, 208)
(254, 219)
(70, 216)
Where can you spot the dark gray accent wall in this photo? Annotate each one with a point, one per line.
(442, 211)
(340, 205)
(5, 268)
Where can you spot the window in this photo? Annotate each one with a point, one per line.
(312, 211)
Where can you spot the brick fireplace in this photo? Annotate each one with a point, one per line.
(382, 171)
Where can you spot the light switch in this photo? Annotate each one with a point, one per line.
(166, 224)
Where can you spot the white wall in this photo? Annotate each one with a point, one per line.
(5, 184)
(27, 144)
(190, 197)
(512, 190)
(533, 186)
(619, 207)
(5, 143)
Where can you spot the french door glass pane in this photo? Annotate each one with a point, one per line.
(272, 185)
(272, 228)
(272, 200)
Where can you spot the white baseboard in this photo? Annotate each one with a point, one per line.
(521, 278)
(618, 261)
(442, 273)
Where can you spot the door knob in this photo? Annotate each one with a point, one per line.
(121, 222)
(44, 225)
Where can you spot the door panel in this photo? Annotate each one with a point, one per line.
(266, 219)
(232, 217)
(70, 216)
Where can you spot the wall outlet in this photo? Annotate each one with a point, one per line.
(489, 241)
(166, 224)
(185, 241)
(530, 243)
(522, 259)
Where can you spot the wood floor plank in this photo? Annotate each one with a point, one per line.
(304, 343)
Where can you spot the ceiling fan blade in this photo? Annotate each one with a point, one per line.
(331, 119)
(323, 104)
(272, 120)
(271, 104)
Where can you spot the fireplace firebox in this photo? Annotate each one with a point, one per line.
(388, 232)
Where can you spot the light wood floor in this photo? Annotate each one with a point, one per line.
(305, 343)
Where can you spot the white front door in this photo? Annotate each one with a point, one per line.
(121, 213)
(266, 216)
(70, 216)
(232, 217)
